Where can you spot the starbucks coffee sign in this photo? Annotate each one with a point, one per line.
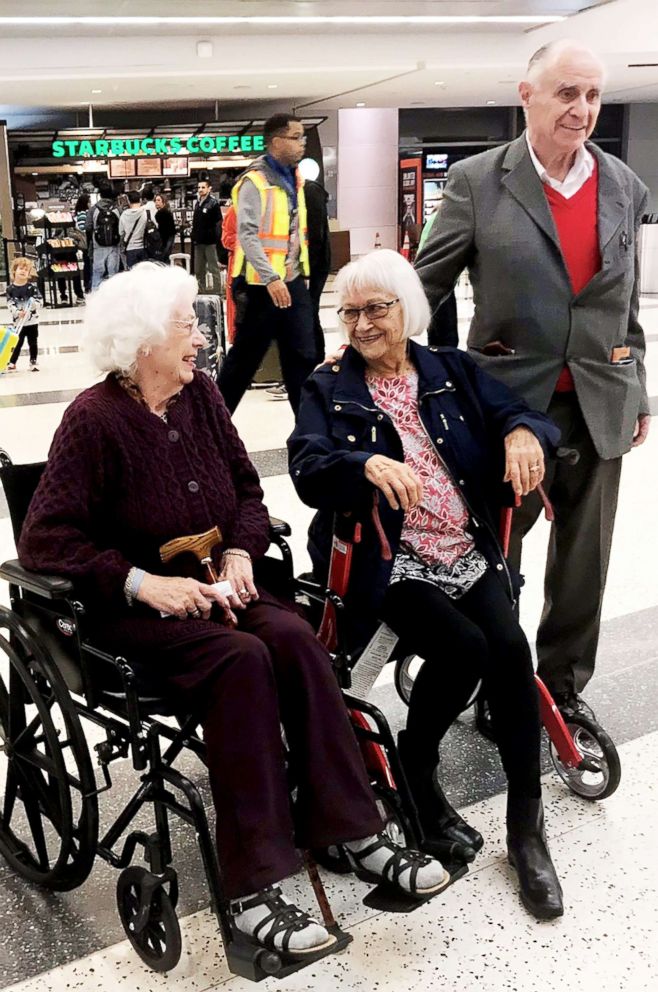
(197, 144)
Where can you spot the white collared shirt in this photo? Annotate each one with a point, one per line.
(577, 176)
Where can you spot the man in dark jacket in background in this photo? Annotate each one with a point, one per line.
(206, 230)
(319, 254)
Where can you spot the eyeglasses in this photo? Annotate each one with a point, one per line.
(294, 137)
(189, 326)
(373, 311)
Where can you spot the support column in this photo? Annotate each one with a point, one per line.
(368, 176)
(6, 198)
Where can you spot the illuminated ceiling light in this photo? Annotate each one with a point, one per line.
(272, 86)
(204, 49)
(439, 82)
(96, 91)
(491, 103)
(309, 169)
(273, 21)
(360, 104)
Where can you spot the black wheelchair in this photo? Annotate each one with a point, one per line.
(53, 677)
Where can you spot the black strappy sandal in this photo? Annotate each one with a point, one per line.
(401, 858)
(283, 918)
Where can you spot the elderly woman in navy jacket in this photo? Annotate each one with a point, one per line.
(435, 441)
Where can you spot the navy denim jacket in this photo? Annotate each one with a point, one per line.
(466, 413)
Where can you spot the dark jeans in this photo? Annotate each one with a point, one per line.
(272, 671)
(77, 288)
(584, 498)
(135, 255)
(31, 332)
(262, 321)
(443, 329)
(315, 289)
(462, 641)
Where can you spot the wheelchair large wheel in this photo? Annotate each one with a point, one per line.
(49, 813)
(153, 928)
(597, 747)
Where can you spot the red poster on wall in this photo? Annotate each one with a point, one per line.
(410, 205)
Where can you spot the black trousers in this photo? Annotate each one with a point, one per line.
(31, 332)
(462, 641)
(262, 321)
(584, 497)
(249, 681)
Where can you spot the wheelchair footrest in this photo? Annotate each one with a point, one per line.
(251, 960)
(389, 899)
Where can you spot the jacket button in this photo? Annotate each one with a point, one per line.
(380, 416)
(439, 440)
(448, 383)
(350, 437)
(338, 407)
(460, 417)
(173, 436)
(499, 567)
(461, 482)
(193, 486)
(335, 368)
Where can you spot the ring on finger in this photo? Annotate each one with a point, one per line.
(195, 614)
(244, 592)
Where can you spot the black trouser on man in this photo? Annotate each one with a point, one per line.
(584, 497)
(444, 331)
(262, 321)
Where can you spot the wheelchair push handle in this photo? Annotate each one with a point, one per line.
(200, 545)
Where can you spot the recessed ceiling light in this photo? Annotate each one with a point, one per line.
(272, 86)
(360, 104)
(491, 103)
(96, 91)
(439, 82)
(204, 49)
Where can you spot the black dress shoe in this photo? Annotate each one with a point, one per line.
(527, 852)
(447, 835)
(570, 704)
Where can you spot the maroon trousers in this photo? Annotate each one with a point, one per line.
(269, 672)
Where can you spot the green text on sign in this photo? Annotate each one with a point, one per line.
(198, 144)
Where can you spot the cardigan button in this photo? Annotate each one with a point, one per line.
(173, 436)
(193, 486)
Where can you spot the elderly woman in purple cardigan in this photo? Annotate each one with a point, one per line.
(145, 456)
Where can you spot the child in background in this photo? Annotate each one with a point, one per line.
(23, 300)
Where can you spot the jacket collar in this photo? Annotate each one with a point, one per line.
(523, 182)
(351, 375)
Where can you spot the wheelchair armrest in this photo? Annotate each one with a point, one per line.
(48, 586)
(279, 528)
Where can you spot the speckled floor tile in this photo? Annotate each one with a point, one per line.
(475, 937)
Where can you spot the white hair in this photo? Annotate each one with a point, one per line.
(548, 54)
(387, 272)
(131, 311)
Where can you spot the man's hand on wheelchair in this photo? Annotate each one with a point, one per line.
(524, 461)
(399, 484)
(185, 598)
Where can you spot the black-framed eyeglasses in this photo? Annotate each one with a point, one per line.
(373, 311)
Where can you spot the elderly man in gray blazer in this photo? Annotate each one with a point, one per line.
(547, 227)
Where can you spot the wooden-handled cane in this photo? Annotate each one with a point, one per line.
(200, 545)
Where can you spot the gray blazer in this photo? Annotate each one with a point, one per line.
(495, 220)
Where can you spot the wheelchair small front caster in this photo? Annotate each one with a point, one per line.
(269, 962)
(149, 918)
(600, 773)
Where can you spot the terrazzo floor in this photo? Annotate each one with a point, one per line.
(476, 936)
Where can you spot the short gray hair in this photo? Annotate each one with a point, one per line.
(130, 312)
(389, 272)
(550, 52)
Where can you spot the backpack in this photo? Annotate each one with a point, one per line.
(106, 227)
(152, 238)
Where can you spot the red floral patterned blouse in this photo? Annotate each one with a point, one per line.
(434, 532)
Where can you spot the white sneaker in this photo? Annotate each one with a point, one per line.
(278, 392)
(34, 367)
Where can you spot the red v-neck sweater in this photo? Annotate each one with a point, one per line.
(576, 220)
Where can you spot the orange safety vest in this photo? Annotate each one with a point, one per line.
(274, 230)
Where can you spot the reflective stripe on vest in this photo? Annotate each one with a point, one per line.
(274, 229)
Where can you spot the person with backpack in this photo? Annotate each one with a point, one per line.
(80, 217)
(206, 233)
(102, 229)
(132, 226)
